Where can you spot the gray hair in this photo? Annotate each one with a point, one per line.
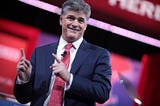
(76, 5)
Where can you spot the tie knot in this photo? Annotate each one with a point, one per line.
(68, 46)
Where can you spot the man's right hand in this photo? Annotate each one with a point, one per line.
(24, 67)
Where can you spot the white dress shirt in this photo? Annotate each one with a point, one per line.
(60, 50)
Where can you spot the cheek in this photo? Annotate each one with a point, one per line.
(64, 26)
(63, 22)
(84, 27)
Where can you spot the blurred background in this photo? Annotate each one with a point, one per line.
(129, 29)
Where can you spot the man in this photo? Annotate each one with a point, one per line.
(87, 76)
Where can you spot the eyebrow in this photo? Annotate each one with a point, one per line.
(79, 18)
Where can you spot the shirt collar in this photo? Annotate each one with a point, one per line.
(76, 44)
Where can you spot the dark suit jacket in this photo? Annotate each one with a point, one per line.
(91, 71)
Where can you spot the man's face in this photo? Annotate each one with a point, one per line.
(73, 25)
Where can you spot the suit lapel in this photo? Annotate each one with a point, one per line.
(54, 47)
(50, 58)
(81, 55)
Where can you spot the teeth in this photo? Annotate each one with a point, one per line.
(74, 29)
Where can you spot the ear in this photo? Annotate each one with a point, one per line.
(60, 20)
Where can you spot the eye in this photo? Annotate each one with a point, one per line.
(81, 20)
(71, 18)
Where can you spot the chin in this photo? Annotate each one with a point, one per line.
(71, 39)
(72, 36)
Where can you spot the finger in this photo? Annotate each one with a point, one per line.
(24, 65)
(23, 75)
(56, 58)
(57, 71)
(23, 53)
(28, 63)
(53, 65)
(21, 68)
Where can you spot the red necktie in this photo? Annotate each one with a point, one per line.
(58, 87)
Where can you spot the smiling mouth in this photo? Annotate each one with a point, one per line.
(74, 29)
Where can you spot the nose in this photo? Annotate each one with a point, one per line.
(75, 23)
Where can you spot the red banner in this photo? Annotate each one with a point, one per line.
(141, 16)
(13, 37)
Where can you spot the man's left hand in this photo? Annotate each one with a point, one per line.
(60, 69)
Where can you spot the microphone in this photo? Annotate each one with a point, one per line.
(64, 54)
